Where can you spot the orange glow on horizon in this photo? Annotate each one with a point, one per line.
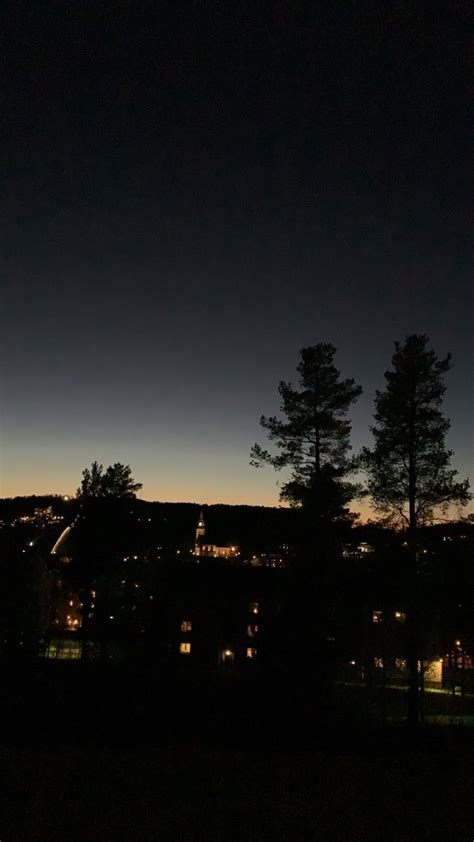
(196, 495)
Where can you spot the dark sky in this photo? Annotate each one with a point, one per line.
(193, 192)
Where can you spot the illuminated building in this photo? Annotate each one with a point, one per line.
(41, 517)
(211, 614)
(211, 550)
(60, 548)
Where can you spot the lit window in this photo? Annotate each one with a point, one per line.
(377, 616)
(186, 625)
(400, 664)
(400, 616)
(185, 648)
(251, 652)
(64, 649)
(365, 548)
(252, 630)
(378, 663)
(227, 655)
(253, 607)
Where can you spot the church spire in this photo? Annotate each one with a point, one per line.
(200, 529)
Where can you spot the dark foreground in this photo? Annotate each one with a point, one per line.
(202, 793)
(92, 757)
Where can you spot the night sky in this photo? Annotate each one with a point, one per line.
(192, 193)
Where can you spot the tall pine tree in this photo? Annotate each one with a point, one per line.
(313, 438)
(409, 468)
(312, 442)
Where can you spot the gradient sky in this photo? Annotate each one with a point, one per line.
(193, 194)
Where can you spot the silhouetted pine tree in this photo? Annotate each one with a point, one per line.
(409, 471)
(312, 440)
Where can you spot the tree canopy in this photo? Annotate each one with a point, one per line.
(409, 468)
(116, 482)
(313, 439)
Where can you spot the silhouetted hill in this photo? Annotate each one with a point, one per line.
(254, 528)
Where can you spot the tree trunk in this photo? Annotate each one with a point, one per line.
(413, 612)
(86, 603)
(413, 640)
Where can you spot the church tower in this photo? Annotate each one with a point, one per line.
(200, 532)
